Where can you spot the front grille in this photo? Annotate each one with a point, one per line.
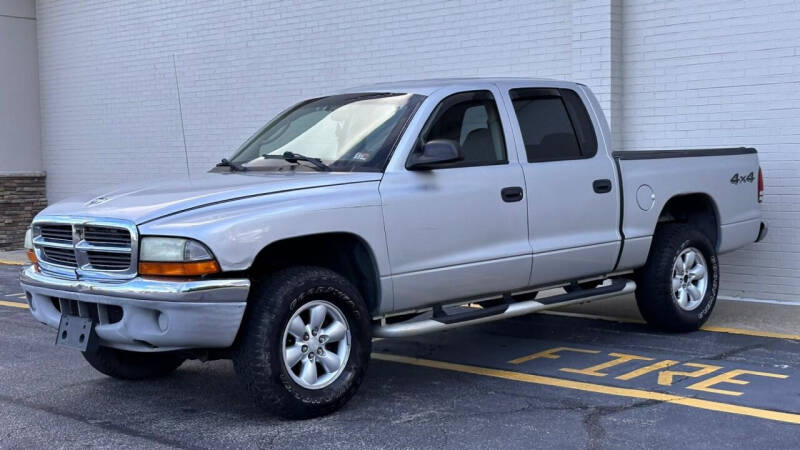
(98, 312)
(105, 248)
(110, 237)
(62, 256)
(109, 261)
(60, 233)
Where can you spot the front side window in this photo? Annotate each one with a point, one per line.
(470, 120)
(554, 124)
(348, 132)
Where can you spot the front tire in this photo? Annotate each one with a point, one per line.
(305, 343)
(126, 365)
(676, 290)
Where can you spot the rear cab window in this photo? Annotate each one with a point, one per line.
(554, 124)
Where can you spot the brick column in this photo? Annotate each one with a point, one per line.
(22, 195)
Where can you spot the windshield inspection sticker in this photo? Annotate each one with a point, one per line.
(362, 156)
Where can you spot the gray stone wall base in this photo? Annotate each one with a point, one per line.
(21, 197)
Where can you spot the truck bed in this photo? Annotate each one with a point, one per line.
(650, 178)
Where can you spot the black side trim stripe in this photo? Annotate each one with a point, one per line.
(621, 220)
(659, 154)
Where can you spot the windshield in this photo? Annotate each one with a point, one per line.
(349, 132)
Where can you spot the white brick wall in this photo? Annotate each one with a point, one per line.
(669, 74)
(724, 73)
(108, 88)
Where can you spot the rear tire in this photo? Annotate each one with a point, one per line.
(126, 365)
(676, 290)
(296, 366)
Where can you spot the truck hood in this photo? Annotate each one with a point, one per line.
(143, 202)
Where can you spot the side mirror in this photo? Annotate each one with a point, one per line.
(435, 152)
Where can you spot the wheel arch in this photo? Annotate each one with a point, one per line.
(345, 253)
(697, 209)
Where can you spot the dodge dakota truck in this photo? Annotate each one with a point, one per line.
(377, 212)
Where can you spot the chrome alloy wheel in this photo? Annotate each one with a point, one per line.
(689, 278)
(316, 344)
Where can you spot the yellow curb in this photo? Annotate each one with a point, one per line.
(768, 334)
(14, 304)
(12, 263)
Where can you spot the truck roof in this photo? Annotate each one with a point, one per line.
(428, 86)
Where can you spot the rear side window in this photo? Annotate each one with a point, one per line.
(584, 129)
(554, 123)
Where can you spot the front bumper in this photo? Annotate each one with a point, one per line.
(157, 315)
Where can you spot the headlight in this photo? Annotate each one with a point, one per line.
(171, 256)
(29, 239)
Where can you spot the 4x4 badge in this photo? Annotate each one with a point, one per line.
(736, 178)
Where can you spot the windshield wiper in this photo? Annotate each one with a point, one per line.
(295, 157)
(234, 167)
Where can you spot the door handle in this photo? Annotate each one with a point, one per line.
(511, 194)
(602, 186)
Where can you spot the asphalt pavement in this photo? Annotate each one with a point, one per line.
(538, 381)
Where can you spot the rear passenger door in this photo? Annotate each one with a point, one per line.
(572, 192)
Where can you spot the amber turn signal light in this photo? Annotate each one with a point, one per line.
(32, 257)
(176, 269)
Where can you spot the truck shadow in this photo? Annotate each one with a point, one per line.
(405, 405)
(212, 390)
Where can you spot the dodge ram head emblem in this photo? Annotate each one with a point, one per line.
(97, 201)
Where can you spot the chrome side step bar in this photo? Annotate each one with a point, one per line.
(442, 321)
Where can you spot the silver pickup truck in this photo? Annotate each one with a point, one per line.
(376, 212)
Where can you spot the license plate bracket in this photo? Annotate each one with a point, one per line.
(76, 333)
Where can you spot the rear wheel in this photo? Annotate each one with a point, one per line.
(127, 365)
(306, 342)
(677, 287)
